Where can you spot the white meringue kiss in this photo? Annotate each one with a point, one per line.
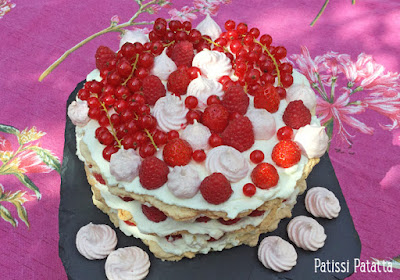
(124, 165)
(197, 136)
(78, 113)
(95, 242)
(277, 254)
(228, 161)
(263, 122)
(213, 64)
(127, 263)
(183, 181)
(202, 88)
(170, 113)
(312, 140)
(209, 27)
(163, 66)
(133, 36)
(304, 93)
(306, 233)
(322, 203)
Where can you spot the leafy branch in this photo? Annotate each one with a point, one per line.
(353, 2)
(17, 199)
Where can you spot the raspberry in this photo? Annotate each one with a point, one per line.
(235, 100)
(153, 89)
(178, 82)
(177, 152)
(215, 188)
(153, 214)
(265, 176)
(267, 99)
(182, 53)
(296, 115)
(105, 58)
(239, 134)
(286, 153)
(153, 173)
(215, 117)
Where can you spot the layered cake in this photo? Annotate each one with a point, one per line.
(196, 140)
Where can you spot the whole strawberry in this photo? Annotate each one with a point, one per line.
(153, 89)
(235, 100)
(267, 99)
(182, 53)
(153, 214)
(296, 115)
(153, 173)
(216, 189)
(178, 81)
(215, 117)
(286, 153)
(265, 176)
(105, 58)
(239, 134)
(177, 152)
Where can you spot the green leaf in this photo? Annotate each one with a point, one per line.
(6, 215)
(23, 215)
(9, 129)
(28, 183)
(329, 131)
(48, 158)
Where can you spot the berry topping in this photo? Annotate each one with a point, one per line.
(215, 140)
(153, 214)
(286, 153)
(216, 189)
(177, 152)
(236, 100)
(257, 156)
(182, 53)
(153, 89)
(267, 99)
(215, 117)
(191, 102)
(296, 114)
(256, 213)
(203, 219)
(249, 189)
(199, 155)
(239, 134)
(153, 173)
(285, 133)
(105, 57)
(178, 82)
(265, 176)
(228, 222)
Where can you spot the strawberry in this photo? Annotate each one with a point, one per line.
(286, 153)
(105, 58)
(265, 176)
(153, 89)
(228, 222)
(182, 53)
(296, 114)
(235, 100)
(257, 213)
(177, 152)
(153, 214)
(153, 173)
(239, 134)
(203, 219)
(267, 99)
(178, 81)
(215, 117)
(215, 188)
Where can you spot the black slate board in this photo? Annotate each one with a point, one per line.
(76, 210)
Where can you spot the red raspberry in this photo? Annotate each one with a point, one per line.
(235, 100)
(153, 89)
(178, 81)
(153, 173)
(215, 188)
(105, 58)
(296, 115)
(265, 176)
(286, 153)
(239, 134)
(153, 214)
(177, 152)
(267, 99)
(182, 53)
(215, 117)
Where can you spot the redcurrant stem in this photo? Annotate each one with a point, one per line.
(212, 42)
(150, 137)
(133, 70)
(111, 125)
(273, 60)
(169, 44)
(321, 12)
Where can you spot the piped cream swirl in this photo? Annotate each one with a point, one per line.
(277, 254)
(129, 263)
(96, 242)
(213, 64)
(183, 181)
(78, 113)
(323, 203)
(209, 27)
(312, 140)
(306, 233)
(196, 135)
(202, 88)
(124, 165)
(170, 113)
(302, 92)
(228, 161)
(263, 122)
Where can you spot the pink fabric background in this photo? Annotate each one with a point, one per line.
(36, 33)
